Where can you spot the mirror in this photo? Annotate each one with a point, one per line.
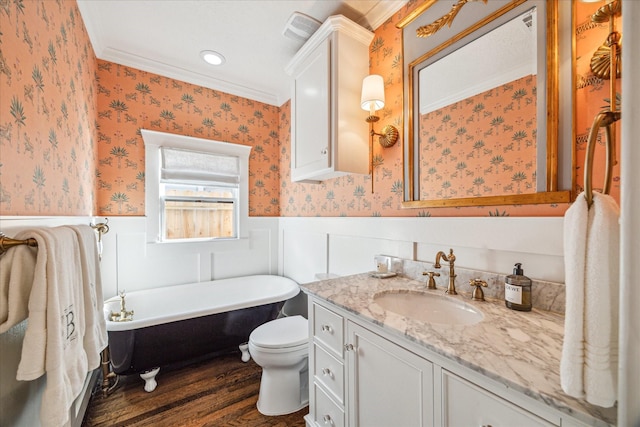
(481, 104)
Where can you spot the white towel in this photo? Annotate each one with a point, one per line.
(576, 220)
(16, 277)
(95, 338)
(589, 361)
(53, 341)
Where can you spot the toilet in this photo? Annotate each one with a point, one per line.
(281, 348)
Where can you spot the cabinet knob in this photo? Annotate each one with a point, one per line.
(327, 420)
(327, 328)
(349, 347)
(327, 372)
(324, 151)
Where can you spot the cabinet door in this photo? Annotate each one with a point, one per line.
(311, 126)
(388, 385)
(466, 404)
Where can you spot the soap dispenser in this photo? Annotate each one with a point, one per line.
(517, 290)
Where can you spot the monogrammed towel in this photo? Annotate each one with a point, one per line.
(53, 342)
(95, 337)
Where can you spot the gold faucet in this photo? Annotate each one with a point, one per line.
(451, 290)
(123, 315)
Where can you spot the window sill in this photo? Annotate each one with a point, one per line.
(215, 245)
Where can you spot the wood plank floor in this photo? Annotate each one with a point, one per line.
(218, 392)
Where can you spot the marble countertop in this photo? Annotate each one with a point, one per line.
(519, 349)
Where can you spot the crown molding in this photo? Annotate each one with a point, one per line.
(167, 70)
(381, 12)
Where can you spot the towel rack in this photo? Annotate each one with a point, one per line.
(604, 64)
(604, 119)
(7, 243)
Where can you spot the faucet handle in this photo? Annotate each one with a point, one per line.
(478, 293)
(451, 257)
(432, 281)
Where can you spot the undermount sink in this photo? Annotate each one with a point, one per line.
(428, 307)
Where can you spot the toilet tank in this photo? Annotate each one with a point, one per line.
(295, 306)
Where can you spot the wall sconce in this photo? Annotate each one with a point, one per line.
(372, 100)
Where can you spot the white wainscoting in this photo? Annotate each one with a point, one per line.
(341, 246)
(130, 263)
(303, 248)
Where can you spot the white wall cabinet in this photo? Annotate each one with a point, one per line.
(329, 135)
(363, 377)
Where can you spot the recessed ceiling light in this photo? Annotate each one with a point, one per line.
(211, 57)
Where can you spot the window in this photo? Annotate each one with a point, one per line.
(198, 195)
(196, 189)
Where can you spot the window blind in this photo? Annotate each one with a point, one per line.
(199, 168)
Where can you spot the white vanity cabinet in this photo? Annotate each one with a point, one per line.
(362, 376)
(329, 134)
(361, 379)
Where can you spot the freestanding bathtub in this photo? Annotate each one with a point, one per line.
(183, 323)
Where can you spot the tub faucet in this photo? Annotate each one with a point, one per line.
(451, 290)
(123, 315)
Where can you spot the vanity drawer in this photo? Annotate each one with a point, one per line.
(329, 371)
(327, 413)
(328, 329)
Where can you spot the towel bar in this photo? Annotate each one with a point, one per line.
(603, 119)
(7, 243)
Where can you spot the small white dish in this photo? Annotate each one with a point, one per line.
(380, 275)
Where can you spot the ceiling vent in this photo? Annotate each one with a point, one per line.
(300, 26)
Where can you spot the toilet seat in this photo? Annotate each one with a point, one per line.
(284, 333)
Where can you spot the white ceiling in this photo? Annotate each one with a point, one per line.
(166, 36)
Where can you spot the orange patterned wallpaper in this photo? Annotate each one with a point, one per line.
(484, 145)
(47, 110)
(69, 140)
(592, 96)
(130, 100)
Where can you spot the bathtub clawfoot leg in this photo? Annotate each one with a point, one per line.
(149, 378)
(244, 348)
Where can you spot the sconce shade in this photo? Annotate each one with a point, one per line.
(372, 93)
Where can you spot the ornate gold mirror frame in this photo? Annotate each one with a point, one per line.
(552, 194)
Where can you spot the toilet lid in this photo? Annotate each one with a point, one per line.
(281, 333)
